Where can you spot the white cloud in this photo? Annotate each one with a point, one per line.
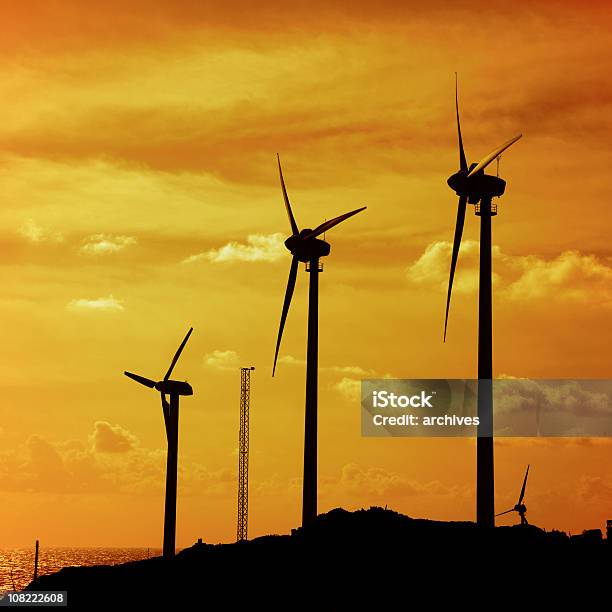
(108, 303)
(37, 233)
(112, 462)
(222, 360)
(433, 266)
(350, 388)
(258, 248)
(379, 482)
(571, 397)
(107, 438)
(101, 244)
(350, 369)
(569, 276)
(291, 360)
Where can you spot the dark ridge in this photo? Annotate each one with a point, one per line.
(346, 557)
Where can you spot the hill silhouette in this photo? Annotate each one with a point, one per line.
(344, 559)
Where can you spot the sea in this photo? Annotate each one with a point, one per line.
(17, 564)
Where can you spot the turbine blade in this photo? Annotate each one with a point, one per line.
(332, 222)
(506, 512)
(456, 245)
(288, 295)
(462, 161)
(178, 354)
(141, 379)
(294, 227)
(524, 485)
(485, 161)
(166, 412)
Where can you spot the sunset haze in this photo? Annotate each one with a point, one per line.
(140, 197)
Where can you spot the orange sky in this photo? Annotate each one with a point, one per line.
(140, 191)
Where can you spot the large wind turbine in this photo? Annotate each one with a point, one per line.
(174, 389)
(473, 186)
(520, 506)
(305, 247)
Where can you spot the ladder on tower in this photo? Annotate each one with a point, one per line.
(243, 454)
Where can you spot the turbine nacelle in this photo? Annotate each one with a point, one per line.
(477, 186)
(305, 248)
(165, 387)
(174, 387)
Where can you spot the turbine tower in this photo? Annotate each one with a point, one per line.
(243, 454)
(473, 186)
(174, 389)
(520, 506)
(305, 247)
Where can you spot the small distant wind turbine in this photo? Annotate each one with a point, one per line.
(174, 389)
(305, 247)
(473, 186)
(520, 506)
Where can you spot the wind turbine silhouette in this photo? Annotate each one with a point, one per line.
(305, 247)
(174, 389)
(473, 186)
(520, 506)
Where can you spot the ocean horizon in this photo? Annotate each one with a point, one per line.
(17, 564)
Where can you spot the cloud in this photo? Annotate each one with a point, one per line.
(41, 466)
(112, 462)
(291, 360)
(553, 408)
(135, 103)
(378, 482)
(347, 386)
(37, 233)
(102, 304)
(44, 456)
(350, 369)
(217, 483)
(353, 370)
(350, 388)
(102, 244)
(574, 398)
(107, 438)
(258, 248)
(595, 489)
(222, 360)
(569, 276)
(432, 267)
